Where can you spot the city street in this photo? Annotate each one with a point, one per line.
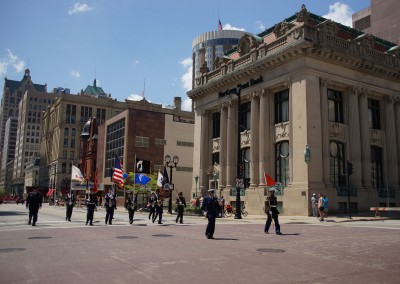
(309, 251)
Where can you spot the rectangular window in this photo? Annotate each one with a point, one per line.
(64, 154)
(282, 106)
(245, 117)
(72, 155)
(70, 114)
(160, 141)
(335, 106)
(282, 173)
(86, 113)
(374, 114)
(65, 142)
(142, 141)
(72, 143)
(216, 124)
(100, 115)
(114, 145)
(186, 144)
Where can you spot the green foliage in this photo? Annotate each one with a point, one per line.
(138, 188)
(2, 192)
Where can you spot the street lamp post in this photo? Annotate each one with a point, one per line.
(196, 179)
(36, 175)
(171, 164)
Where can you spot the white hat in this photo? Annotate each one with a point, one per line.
(211, 190)
(313, 194)
(272, 189)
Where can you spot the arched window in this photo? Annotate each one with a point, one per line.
(337, 165)
(282, 173)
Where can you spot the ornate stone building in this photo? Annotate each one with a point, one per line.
(305, 82)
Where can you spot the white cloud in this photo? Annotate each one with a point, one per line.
(260, 26)
(75, 74)
(135, 97)
(136, 62)
(341, 13)
(11, 59)
(186, 79)
(187, 104)
(3, 68)
(79, 8)
(230, 27)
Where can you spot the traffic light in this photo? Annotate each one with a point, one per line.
(349, 168)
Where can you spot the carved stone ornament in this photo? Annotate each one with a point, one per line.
(282, 28)
(329, 27)
(303, 15)
(204, 68)
(247, 42)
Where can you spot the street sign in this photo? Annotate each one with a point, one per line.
(239, 182)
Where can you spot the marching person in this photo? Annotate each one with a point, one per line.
(131, 205)
(321, 205)
(34, 202)
(272, 212)
(314, 205)
(110, 206)
(70, 205)
(180, 204)
(91, 205)
(159, 209)
(210, 204)
(152, 201)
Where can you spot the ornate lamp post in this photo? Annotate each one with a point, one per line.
(171, 164)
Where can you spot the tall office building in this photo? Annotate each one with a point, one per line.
(12, 95)
(381, 19)
(207, 47)
(30, 122)
(8, 152)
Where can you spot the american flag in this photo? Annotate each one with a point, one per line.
(219, 25)
(117, 175)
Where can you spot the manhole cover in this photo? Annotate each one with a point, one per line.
(126, 237)
(270, 250)
(39, 238)
(140, 224)
(11, 249)
(162, 235)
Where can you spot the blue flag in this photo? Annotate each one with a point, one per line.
(142, 179)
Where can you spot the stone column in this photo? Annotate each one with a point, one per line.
(254, 142)
(325, 129)
(354, 138)
(223, 146)
(397, 124)
(264, 136)
(231, 146)
(365, 143)
(204, 152)
(392, 166)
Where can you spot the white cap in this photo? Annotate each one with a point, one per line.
(211, 190)
(272, 189)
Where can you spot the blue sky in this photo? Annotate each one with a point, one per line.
(127, 44)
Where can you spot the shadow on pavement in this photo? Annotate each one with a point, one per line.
(225, 239)
(12, 213)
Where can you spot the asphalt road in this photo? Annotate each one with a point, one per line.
(309, 251)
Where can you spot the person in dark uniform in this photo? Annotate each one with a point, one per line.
(210, 204)
(131, 206)
(180, 204)
(91, 205)
(110, 206)
(152, 205)
(159, 209)
(34, 202)
(272, 212)
(69, 205)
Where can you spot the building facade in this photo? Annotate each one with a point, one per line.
(27, 144)
(149, 132)
(381, 19)
(60, 137)
(305, 83)
(8, 153)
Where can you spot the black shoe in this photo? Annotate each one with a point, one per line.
(180, 222)
(110, 223)
(206, 236)
(160, 223)
(278, 233)
(69, 220)
(210, 238)
(91, 224)
(33, 224)
(154, 220)
(29, 222)
(266, 232)
(176, 221)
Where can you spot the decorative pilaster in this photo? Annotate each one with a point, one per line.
(365, 144)
(354, 137)
(223, 146)
(264, 136)
(204, 151)
(392, 165)
(255, 116)
(231, 146)
(325, 129)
